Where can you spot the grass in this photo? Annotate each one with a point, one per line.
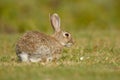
(95, 56)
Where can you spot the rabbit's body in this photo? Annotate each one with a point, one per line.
(34, 46)
(38, 46)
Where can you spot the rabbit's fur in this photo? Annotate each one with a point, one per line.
(34, 46)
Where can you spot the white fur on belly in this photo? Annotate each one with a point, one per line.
(35, 59)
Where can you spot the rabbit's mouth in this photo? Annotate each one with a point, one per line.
(68, 44)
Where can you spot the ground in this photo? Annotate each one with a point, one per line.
(95, 56)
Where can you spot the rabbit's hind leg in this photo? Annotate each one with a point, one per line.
(35, 58)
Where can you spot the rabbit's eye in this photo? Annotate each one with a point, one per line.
(66, 34)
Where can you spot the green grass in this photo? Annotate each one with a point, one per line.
(95, 56)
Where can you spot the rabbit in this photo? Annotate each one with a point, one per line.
(35, 46)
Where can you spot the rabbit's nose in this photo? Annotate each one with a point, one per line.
(71, 41)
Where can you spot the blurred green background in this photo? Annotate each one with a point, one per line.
(23, 15)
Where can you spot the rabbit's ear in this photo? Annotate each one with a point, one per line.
(55, 22)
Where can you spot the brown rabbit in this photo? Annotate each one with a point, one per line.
(34, 46)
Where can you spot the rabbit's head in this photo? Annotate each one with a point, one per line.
(63, 37)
